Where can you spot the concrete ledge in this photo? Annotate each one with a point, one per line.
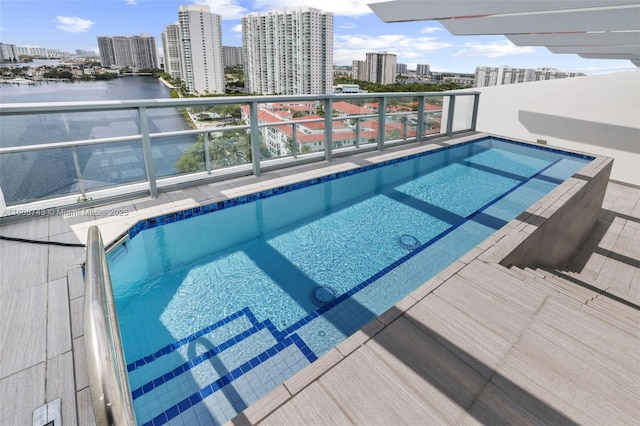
(552, 229)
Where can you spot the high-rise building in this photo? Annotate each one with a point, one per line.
(358, 71)
(497, 76)
(231, 56)
(401, 69)
(423, 69)
(380, 68)
(288, 51)
(139, 51)
(172, 51)
(201, 49)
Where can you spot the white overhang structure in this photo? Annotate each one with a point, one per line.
(601, 29)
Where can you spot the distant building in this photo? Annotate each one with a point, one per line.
(232, 56)
(401, 69)
(140, 51)
(288, 51)
(380, 68)
(423, 69)
(172, 51)
(358, 71)
(342, 70)
(12, 53)
(346, 88)
(8, 53)
(497, 76)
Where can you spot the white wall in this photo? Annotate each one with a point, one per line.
(595, 114)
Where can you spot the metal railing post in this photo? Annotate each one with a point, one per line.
(420, 124)
(147, 152)
(450, 112)
(382, 109)
(207, 159)
(294, 140)
(405, 121)
(358, 132)
(255, 137)
(474, 114)
(76, 164)
(328, 128)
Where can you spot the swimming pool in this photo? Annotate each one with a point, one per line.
(217, 310)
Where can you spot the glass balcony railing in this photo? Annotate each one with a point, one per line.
(66, 153)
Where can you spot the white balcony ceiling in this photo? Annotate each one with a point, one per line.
(602, 29)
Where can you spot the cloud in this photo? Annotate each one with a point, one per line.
(73, 24)
(492, 50)
(237, 28)
(347, 26)
(353, 8)
(131, 2)
(430, 30)
(347, 48)
(229, 9)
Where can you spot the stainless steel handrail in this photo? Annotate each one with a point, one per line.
(110, 392)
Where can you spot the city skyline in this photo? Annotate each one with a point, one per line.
(75, 25)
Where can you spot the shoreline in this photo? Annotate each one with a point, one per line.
(166, 83)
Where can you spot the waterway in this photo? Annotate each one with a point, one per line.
(52, 172)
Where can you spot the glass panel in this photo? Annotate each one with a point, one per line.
(357, 123)
(174, 154)
(29, 176)
(433, 108)
(400, 114)
(34, 129)
(105, 165)
(277, 139)
(463, 113)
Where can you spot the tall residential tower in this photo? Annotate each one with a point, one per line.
(139, 51)
(380, 68)
(200, 49)
(288, 51)
(172, 51)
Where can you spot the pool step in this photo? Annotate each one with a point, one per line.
(218, 399)
(192, 370)
(605, 303)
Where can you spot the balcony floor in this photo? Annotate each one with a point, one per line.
(479, 343)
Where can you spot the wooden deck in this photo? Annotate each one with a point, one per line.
(479, 343)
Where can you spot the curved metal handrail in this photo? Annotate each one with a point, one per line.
(110, 392)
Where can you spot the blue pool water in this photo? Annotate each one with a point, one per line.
(217, 310)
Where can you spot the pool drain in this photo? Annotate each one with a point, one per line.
(322, 295)
(409, 242)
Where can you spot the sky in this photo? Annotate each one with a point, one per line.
(75, 24)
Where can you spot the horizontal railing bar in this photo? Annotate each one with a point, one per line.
(87, 106)
(57, 145)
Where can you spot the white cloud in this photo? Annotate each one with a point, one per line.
(351, 8)
(347, 26)
(237, 28)
(229, 9)
(131, 2)
(430, 30)
(623, 67)
(347, 48)
(492, 50)
(73, 24)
